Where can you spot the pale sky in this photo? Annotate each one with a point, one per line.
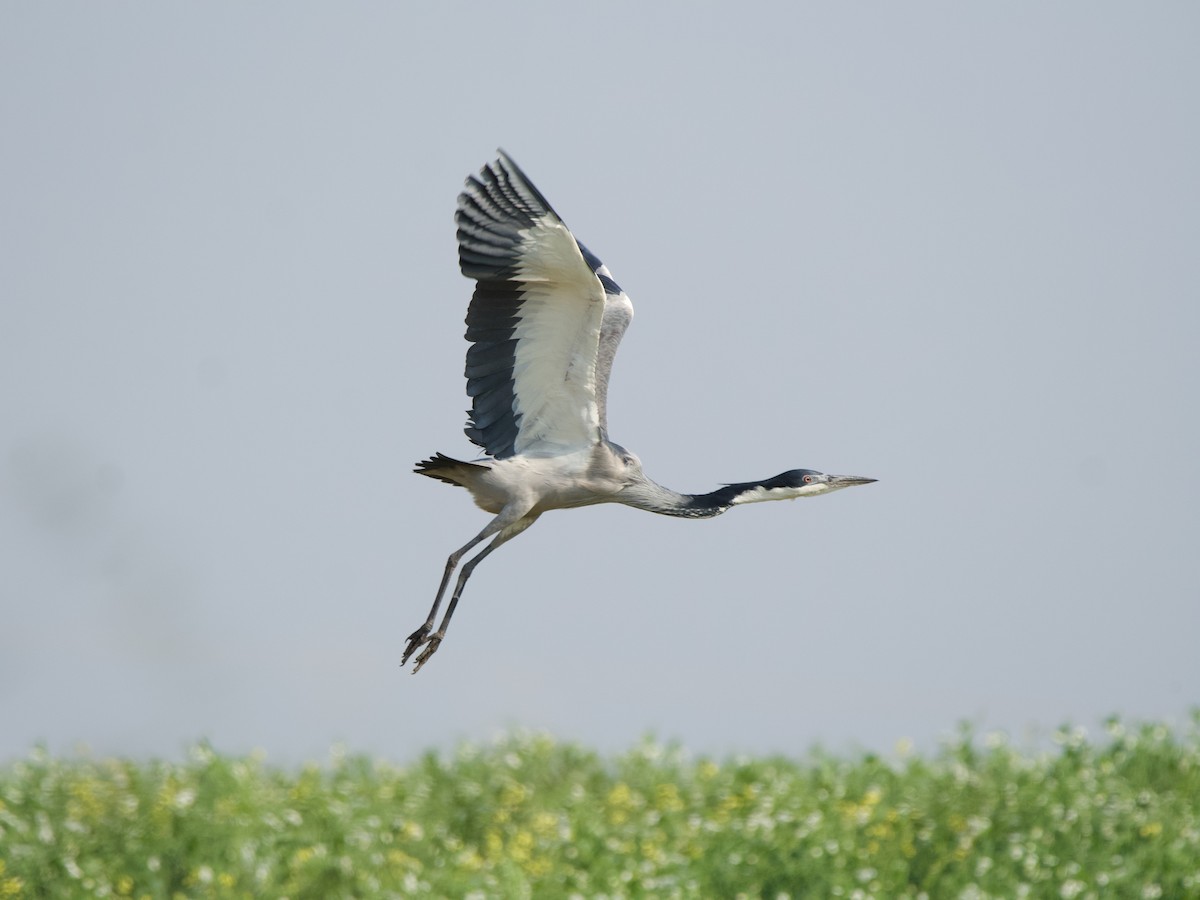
(949, 246)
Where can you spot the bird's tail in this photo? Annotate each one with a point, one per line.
(451, 471)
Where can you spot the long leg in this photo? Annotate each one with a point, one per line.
(422, 635)
(418, 637)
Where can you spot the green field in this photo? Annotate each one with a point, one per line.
(1115, 816)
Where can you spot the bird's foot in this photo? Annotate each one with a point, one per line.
(422, 637)
(430, 649)
(415, 640)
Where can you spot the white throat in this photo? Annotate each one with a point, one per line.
(761, 494)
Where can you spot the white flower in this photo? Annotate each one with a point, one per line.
(184, 799)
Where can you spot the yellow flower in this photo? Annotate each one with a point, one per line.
(492, 845)
(87, 804)
(620, 796)
(513, 794)
(652, 850)
(666, 798)
(521, 846)
(545, 824)
(620, 802)
(400, 860)
(11, 887)
(411, 831)
(538, 868)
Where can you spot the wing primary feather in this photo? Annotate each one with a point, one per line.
(491, 359)
(534, 193)
(484, 383)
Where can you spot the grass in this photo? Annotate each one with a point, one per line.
(531, 817)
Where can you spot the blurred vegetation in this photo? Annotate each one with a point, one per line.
(531, 817)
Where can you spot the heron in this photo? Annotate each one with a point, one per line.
(544, 323)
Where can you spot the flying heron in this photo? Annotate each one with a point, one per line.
(544, 324)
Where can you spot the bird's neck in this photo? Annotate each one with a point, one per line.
(655, 498)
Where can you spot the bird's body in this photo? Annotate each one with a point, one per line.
(579, 478)
(545, 322)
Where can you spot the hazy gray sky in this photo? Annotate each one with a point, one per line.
(949, 246)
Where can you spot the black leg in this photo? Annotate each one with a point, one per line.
(422, 635)
(436, 640)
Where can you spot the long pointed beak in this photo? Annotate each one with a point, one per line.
(843, 481)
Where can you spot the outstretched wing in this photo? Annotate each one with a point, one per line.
(543, 323)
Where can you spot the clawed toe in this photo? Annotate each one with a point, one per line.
(430, 649)
(415, 640)
(418, 638)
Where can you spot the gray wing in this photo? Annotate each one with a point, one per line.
(618, 313)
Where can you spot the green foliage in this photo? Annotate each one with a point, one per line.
(530, 817)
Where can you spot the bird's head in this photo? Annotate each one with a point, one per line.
(627, 461)
(798, 483)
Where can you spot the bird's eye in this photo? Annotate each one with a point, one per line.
(808, 479)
